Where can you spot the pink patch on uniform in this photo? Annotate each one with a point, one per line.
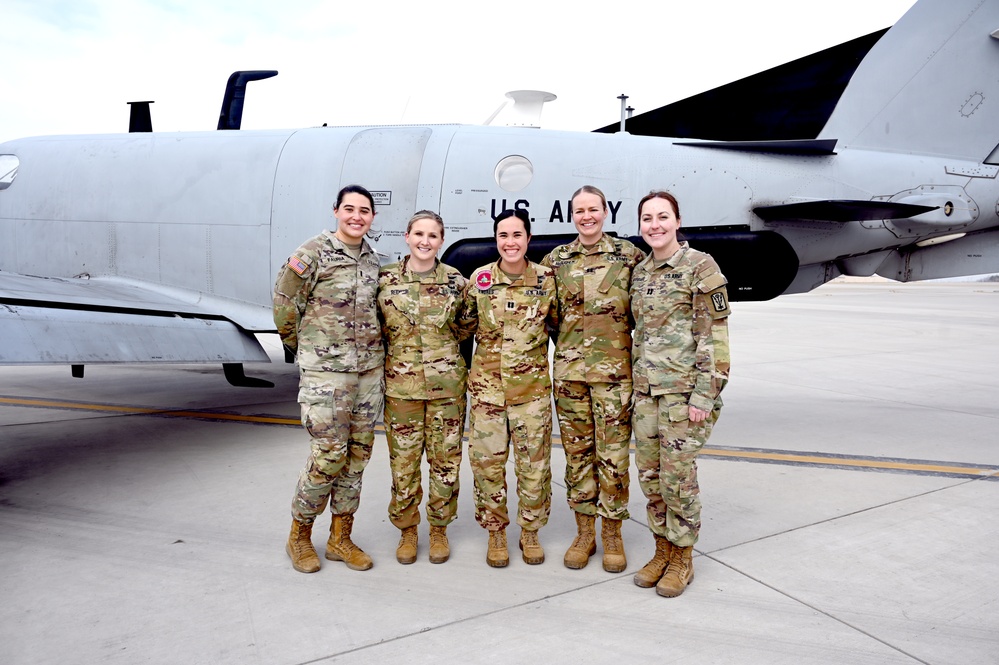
(484, 280)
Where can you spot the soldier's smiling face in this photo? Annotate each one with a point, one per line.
(588, 213)
(424, 239)
(353, 218)
(511, 242)
(658, 223)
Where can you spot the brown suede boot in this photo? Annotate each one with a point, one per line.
(340, 548)
(679, 574)
(439, 549)
(497, 555)
(653, 571)
(529, 545)
(585, 543)
(303, 555)
(614, 559)
(406, 552)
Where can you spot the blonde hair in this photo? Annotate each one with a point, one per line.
(425, 214)
(589, 189)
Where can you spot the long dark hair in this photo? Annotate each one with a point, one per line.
(519, 214)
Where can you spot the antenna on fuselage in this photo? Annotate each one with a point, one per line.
(527, 107)
(231, 116)
(139, 119)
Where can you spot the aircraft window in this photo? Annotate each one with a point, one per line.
(514, 173)
(8, 169)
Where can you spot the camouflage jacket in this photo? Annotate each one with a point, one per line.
(680, 341)
(594, 333)
(511, 323)
(325, 307)
(420, 324)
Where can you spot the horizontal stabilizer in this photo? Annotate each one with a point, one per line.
(790, 101)
(840, 211)
(803, 147)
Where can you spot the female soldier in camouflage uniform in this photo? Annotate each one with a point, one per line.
(513, 305)
(593, 377)
(325, 312)
(419, 300)
(680, 361)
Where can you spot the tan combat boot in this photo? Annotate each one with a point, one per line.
(529, 545)
(497, 556)
(679, 574)
(406, 552)
(303, 555)
(614, 559)
(340, 548)
(585, 543)
(439, 549)
(653, 571)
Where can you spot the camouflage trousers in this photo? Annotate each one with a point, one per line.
(595, 426)
(528, 427)
(339, 410)
(666, 448)
(413, 426)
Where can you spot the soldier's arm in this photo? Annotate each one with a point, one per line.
(291, 293)
(710, 329)
(460, 327)
(467, 317)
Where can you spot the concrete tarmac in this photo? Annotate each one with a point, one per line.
(850, 491)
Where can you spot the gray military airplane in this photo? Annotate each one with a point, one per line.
(163, 247)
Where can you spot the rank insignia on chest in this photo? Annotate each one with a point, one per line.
(649, 291)
(484, 280)
(511, 305)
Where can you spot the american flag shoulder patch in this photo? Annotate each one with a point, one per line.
(298, 265)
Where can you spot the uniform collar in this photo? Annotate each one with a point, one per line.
(439, 275)
(529, 278)
(604, 246)
(339, 246)
(673, 261)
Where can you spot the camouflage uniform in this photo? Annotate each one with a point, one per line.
(593, 371)
(680, 358)
(511, 392)
(425, 380)
(325, 311)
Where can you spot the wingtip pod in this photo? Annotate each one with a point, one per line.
(922, 87)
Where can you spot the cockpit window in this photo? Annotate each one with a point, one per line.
(8, 170)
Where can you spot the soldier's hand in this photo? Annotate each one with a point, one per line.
(696, 415)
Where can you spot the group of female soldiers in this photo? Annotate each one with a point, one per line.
(641, 343)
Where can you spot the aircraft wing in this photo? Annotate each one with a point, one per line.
(790, 101)
(50, 320)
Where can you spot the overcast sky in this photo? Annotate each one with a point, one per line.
(70, 66)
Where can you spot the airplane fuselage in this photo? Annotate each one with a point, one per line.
(216, 213)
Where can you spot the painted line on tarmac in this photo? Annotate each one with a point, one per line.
(788, 458)
(864, 463)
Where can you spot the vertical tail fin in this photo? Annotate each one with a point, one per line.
(929, 86)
